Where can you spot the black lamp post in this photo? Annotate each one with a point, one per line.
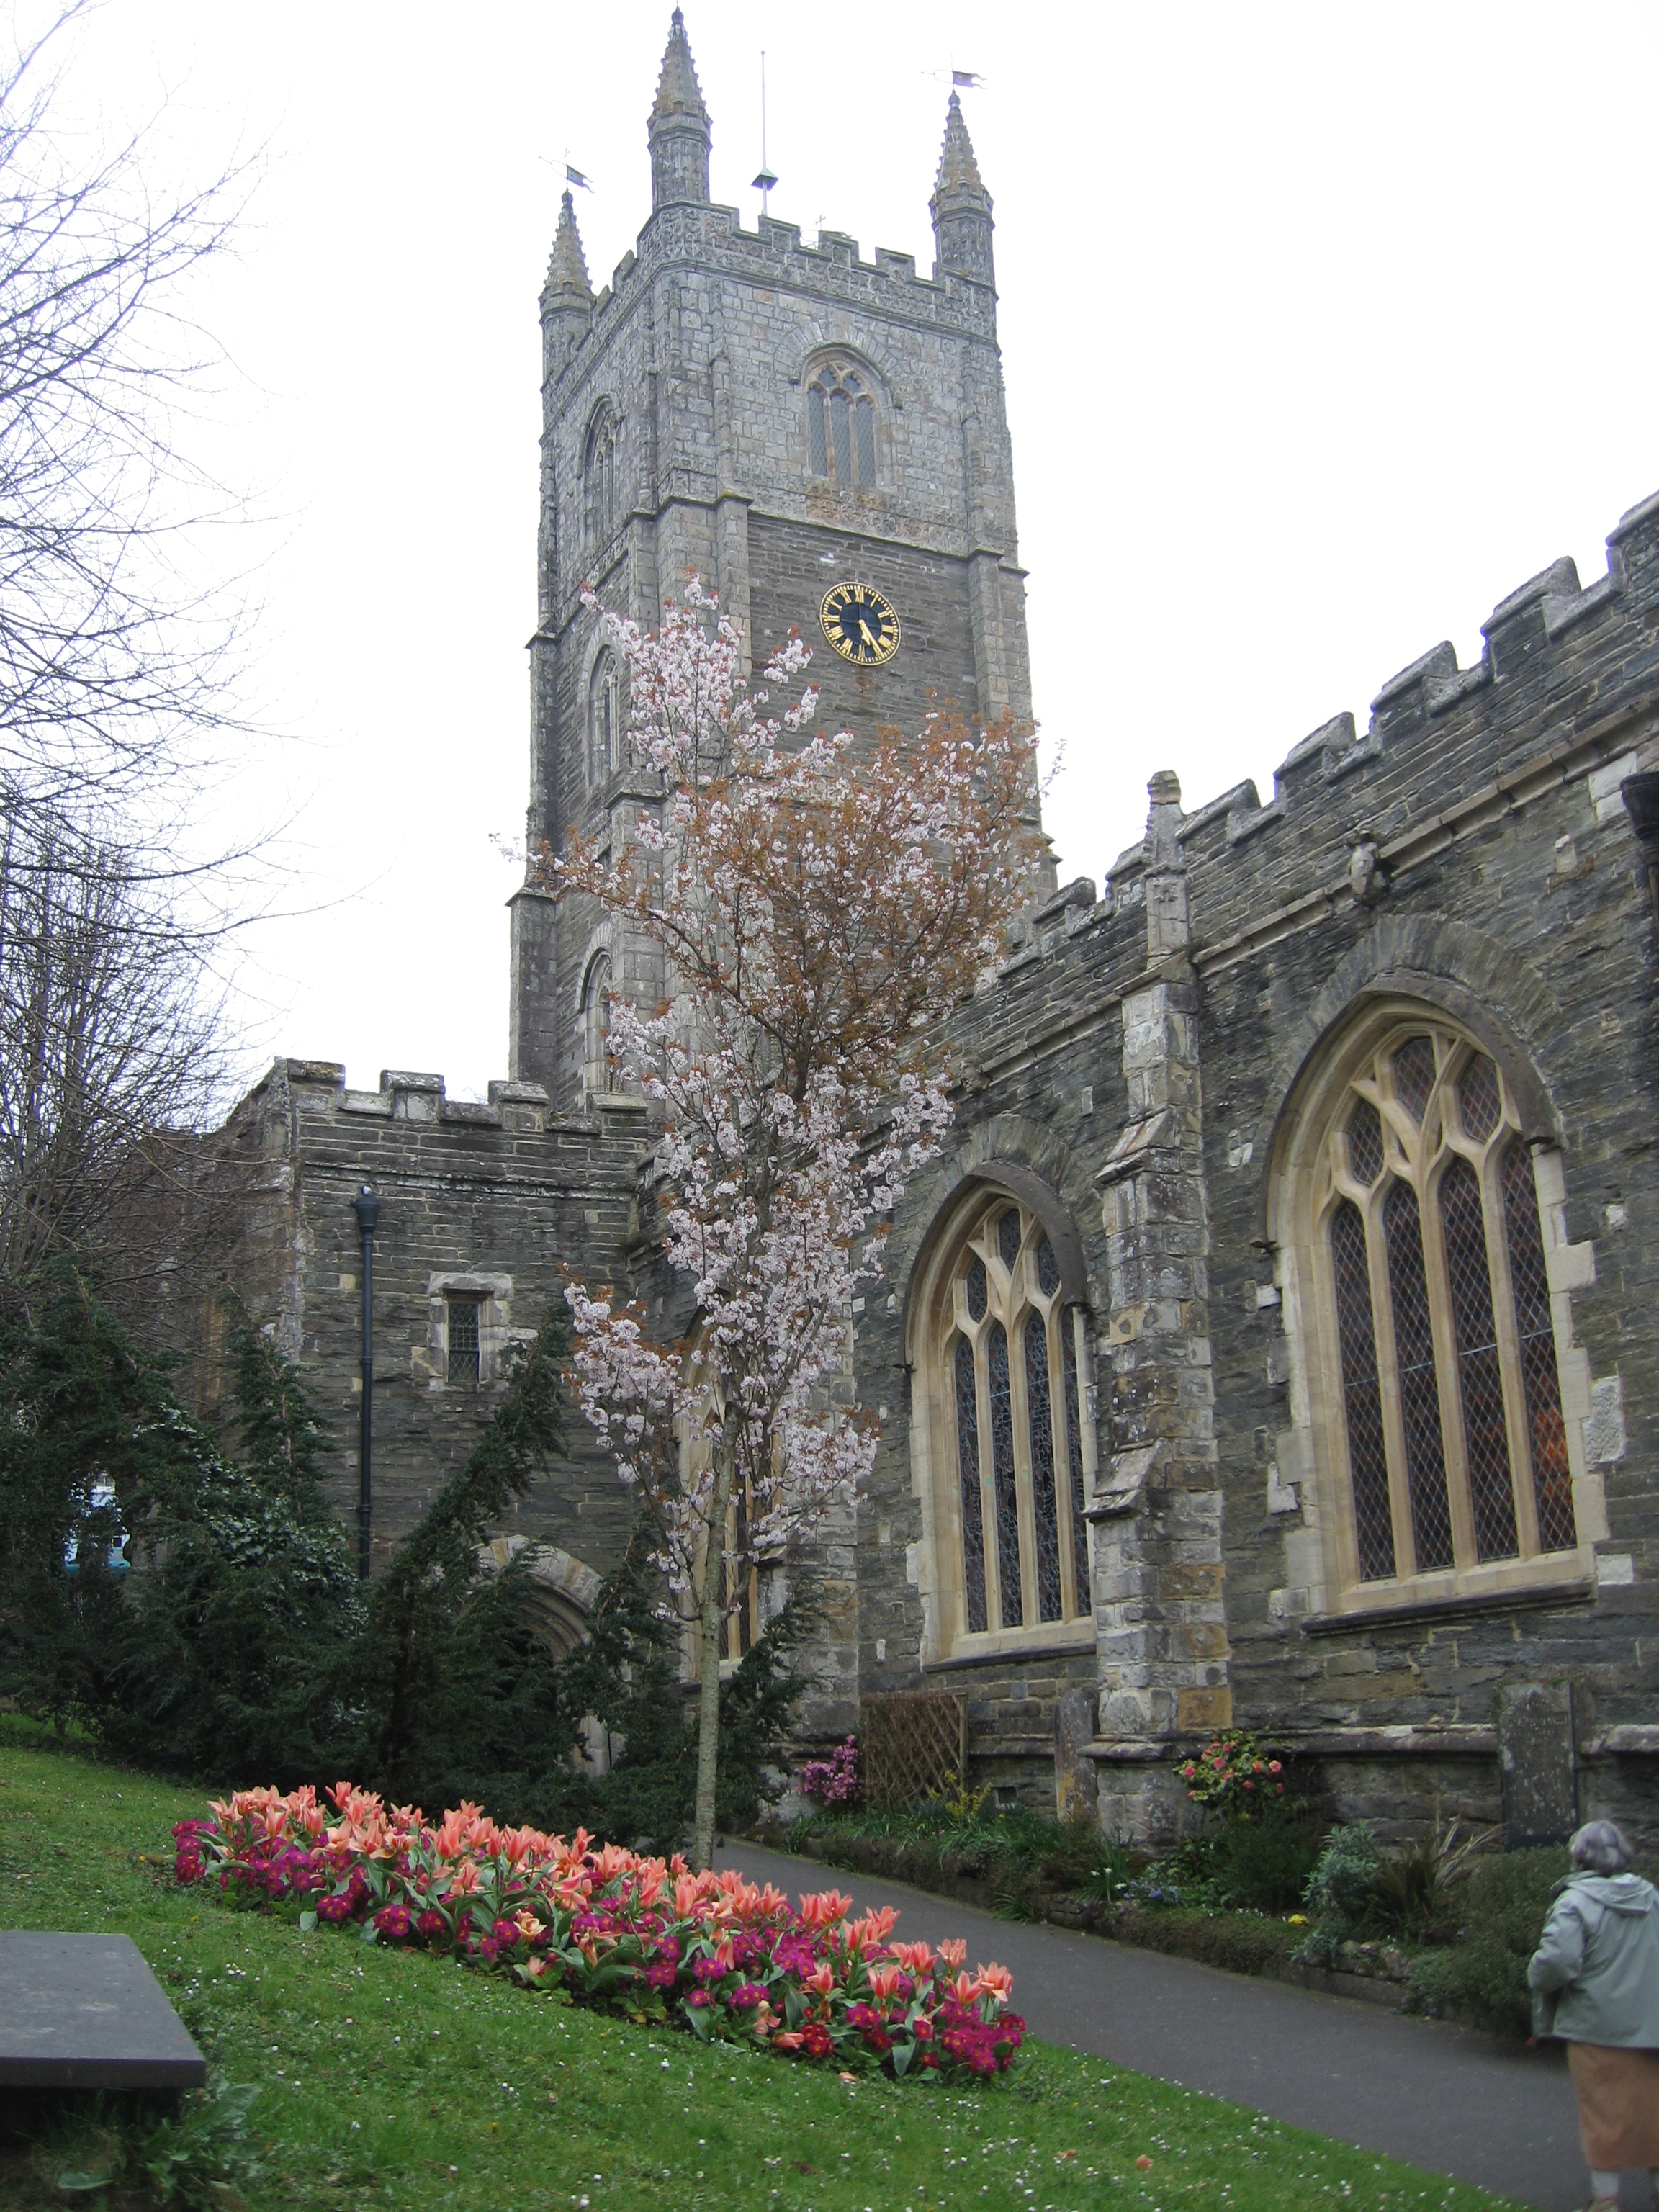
(366, 1207)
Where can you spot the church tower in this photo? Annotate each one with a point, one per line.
(784, 419)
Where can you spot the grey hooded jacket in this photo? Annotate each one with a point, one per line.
(1595, 1975)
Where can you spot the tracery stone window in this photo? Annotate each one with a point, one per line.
(599, 480)
(602, 699)
(840, 425)
(1012, 1352)
(1442, 1385)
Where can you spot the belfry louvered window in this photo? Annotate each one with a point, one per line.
(1450, 1402)
(1011, 1364)
(840, 425)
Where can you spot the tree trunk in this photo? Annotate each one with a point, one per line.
(710, 1621)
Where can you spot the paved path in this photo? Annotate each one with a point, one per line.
(1444, 2098)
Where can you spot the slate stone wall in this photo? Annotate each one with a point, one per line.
(502, 1191)
(1470, 849)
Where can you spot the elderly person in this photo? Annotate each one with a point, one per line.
(1595, 1977)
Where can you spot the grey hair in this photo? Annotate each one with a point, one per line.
(1599, 1848)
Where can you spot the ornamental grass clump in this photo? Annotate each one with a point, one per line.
(598, 1925)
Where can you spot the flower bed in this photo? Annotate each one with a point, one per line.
(601, 1926)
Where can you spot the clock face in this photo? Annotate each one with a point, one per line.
(861, 623)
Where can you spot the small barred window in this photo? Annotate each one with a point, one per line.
(602, 754)
(840, 425)
(1449, 1408)
(599, 481)
(598, 1070)
(461, 1329)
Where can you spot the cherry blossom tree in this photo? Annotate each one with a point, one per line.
(817, 906)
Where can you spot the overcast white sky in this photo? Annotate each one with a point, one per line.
(1324, 327)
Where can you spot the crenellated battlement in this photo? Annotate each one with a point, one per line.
(318, 1087)
(1559, 661)
(773, 253)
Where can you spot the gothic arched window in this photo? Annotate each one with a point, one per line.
(602, 745)
(840, 425)
(599, 480)
(1445, 1402)
(1010, 1352)
(598, 1070)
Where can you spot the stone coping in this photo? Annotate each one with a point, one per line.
(85, 2012)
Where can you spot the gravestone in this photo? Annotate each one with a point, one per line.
(1076, 1791)
(1536, 1766)
(84, 2012)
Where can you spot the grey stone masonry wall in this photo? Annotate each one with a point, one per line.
(1468, 854)
(492, 1200)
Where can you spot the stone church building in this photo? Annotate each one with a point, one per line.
(1273, 1346)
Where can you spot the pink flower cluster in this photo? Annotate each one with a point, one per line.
(644, 1938)
(835, 1780)
(1231, 1774)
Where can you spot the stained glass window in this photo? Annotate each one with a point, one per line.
(1365, 1143)
(1478, 1099)
(1362, 1400)
(462, 1317)
(1479, 1376)
(1442, 1319)
(973, 1526)
(1045, 1507)
(1005, 1492)
(1419, 1388)
(1010, 1360)
(1413, 1075)
(1547, 1430)
(1074, 1455)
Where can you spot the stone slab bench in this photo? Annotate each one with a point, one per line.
(84, 2012)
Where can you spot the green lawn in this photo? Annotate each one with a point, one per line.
(397, 2079)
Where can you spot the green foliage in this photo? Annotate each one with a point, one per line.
(1482, 1976)
(232, 1640)
(1262, 1865)
(454, 1693)
(218, 1652)
(1418, 1888)
(193, 2153)
(244, 1646)
(1340, 1892)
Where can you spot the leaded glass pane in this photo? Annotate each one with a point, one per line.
(817, 447)
(1413, 1075)
(973, 1526)
(1478, 1099)
(1045, 1507)
(1368, 1462)
(1047, 1267)
(863, 418)
(1074, 1455)
(1008, 1237)
(1479, 1380)
(1546, 1432)
(976, 1288)
(1365, 1143)
(462, 1316)
(1420, 1394)
(1002, 1475)
(839, 438)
